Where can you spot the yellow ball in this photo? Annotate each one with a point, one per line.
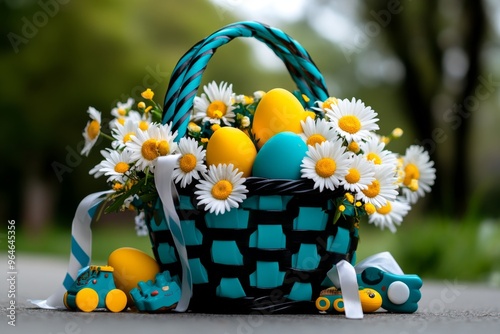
(278, 111)
(230, 145)
(130, 267)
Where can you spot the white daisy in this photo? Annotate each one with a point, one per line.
(141, 228)
(190, 163)
(391, 214)
(123, 133)
(115, 165)
(352, 119)
(326, 164)
(380, 190)
(215, 104)
(97, 169)
(359, 175)
(122, 109)
(222, 188)
(373, 150)
(92, 130)
(146, 146)
(419, 173)
(316, 132)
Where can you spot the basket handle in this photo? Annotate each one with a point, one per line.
(186, 77)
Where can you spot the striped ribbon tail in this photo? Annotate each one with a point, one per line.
(167, 192)
(81, 247)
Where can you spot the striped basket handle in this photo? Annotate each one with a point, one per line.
(186, 77)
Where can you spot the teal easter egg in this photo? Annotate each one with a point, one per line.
(280, 157)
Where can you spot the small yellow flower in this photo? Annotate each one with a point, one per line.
(193, 127)
(329, 102)
(215, 127)
(148, 94)
(349, 197)
(358, 204)
(341, 208)
(370, 208)
(148, 109)
(204, 140)
(245, 122)
(141, 105)
(385, 140)
(397, 132)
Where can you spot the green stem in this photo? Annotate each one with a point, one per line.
(105, 135)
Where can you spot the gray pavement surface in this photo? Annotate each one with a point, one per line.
(446, 307)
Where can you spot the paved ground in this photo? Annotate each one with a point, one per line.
(446, 307)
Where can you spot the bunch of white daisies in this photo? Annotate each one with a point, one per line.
(343, 151)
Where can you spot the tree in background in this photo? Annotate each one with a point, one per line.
(440, 44)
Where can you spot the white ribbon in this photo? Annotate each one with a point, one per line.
(383, 261)
(81, 248)
(344, 277)
(167, 192)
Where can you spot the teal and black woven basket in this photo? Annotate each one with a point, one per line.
(270, 255)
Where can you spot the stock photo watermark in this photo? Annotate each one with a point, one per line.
(31, 26)
(11, 273)
(456, 114)
(362, 35)
(447, 296)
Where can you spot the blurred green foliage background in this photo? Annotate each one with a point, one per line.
(414, 62)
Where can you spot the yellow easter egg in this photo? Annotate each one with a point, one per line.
(130, 267)
(230, 145)
(278, 111)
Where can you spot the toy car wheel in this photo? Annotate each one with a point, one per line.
(87, 300)
(116, 300)
(338, 305)
(322, 304)
(65, 301)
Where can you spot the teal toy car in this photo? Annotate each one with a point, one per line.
(400, 293)
(95, 288)
(159, 296)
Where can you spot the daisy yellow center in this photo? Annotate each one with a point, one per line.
(385, 209)
(350, 124)
(411, 173)
(325, 167)
(127, 136)
(122, 112)
(353, 147)
(353, 176)
(93, 129)
(222, 189)
(121, 167)
(373, 189)
(187, 162)
(149, 149)
(216, 109)
(163, 147)
(315, 139)
(143, 125)
(121, 120)
(374, 157)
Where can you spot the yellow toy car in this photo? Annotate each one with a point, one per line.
(331, 300)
